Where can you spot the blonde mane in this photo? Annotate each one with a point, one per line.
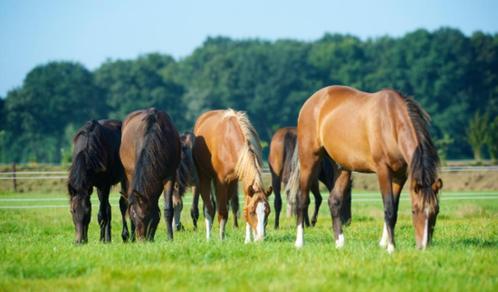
(249, 164)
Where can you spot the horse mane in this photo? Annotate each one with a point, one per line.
(425, 160)
(151, 164)
(90, 159)
(250, 160)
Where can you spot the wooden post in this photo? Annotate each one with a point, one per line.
(14, 177)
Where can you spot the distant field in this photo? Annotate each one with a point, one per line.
(37, 253)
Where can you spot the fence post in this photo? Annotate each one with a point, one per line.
(14, 177)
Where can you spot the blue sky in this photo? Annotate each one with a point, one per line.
(90, 31)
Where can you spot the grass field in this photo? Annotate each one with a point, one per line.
(37, 253)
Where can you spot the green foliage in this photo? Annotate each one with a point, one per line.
(477, 133)
(492, 139)
(452, 75)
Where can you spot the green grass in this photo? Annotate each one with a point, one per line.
(37, 253)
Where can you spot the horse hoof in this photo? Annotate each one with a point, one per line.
(390, 248)
(339, 243)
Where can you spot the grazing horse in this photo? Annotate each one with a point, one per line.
(95, 163)
(383, 132)
(280, 160)
(150, 153)
(186, 176)
(227, 150)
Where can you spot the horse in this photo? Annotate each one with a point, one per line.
(280, 160)
(186, 176)
(95, 164)
(150, 153)
(384, 133)
(226, 150)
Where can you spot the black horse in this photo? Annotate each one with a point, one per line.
(95, 164)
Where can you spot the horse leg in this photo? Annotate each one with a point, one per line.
(177, 207)
(104, 216)
(168, 206)
(336, 198)
(397, 185)
(194, 210)
(123, 207)
(276, 185)
(309, 163)
(234, 202)
(205, 190)
(384, 176)
(222, 202)
(318, 201)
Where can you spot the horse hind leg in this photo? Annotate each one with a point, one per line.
(222, 202)
(194, 210)
(177, 210)
(205, 190)
(123, 207)
(234, 202)
(276, 184)
(168, 207)
(318, 201)
(104, 215)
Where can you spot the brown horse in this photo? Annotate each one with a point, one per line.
(382, 132)
(150, 153)
(280, 161)
(227, 150)
(95, 163)
(186, 176)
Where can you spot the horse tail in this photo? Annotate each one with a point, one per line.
(292, 187)
(153, 159)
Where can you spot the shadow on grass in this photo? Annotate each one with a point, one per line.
(475, 242)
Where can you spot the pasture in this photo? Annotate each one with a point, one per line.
(37, 251)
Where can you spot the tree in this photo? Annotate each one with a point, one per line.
(492, 139)
(477, 133)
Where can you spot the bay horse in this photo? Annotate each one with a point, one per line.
(226, 150)
(95, 163)
(383, 132)
(150, 153)
(280, 161)
(186, 176)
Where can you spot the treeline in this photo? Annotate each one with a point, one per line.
(454, 77)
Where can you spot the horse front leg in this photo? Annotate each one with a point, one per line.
(336, 199)
(318, 201)
(123, 207)
(104, 215)
(384, 177)
(168, 207)
(194, 210)
(396, 186)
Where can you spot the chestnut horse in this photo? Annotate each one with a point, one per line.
(227, 150)
(280, 161)
(383, 132)
(95, 163)
(150, 153)
(186, 176)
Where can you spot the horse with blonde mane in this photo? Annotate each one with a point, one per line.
(383, 132)
(226, 150)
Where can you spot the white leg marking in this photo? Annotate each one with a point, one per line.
(383, 240)
(209, 223)
(248, 234)
(300, 236)
(390, 248)
(339, 243)
(260, 228)
(223, 223)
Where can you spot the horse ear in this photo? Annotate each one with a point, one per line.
(437, 185)
(268, 191)
(250, 191)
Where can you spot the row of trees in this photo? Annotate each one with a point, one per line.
(452, 75)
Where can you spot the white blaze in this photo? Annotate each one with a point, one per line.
(300, 236)
(260, 227)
